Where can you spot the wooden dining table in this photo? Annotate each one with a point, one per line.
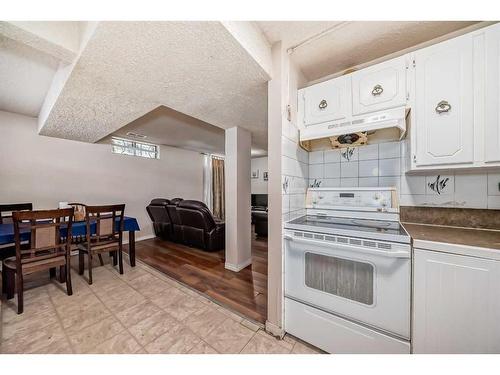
(78, 229)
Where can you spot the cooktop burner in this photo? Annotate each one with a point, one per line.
(350, 226)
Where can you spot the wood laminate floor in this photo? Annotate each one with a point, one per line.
(244, 291)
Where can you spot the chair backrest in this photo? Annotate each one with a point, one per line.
(172, 210)
(46, 229)
(157, 210)
(80, 209)
(6, 210)
(195, 214)
(108, 221)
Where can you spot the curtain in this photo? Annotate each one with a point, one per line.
(207, 181)
(218, 201)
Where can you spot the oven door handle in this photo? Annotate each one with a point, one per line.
(383, 253)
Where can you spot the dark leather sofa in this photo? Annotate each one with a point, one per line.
(259, 214)
(190, 222)
(177, 229)
(200, 228)
(259, 219)
(157, 211)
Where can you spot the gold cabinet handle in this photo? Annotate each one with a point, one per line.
(377, 90)
(323, 104)
(442, 107)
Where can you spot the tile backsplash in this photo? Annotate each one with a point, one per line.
(295, 171)
(384, 164)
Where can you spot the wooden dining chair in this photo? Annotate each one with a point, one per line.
(46, 250)
(80, 210)
(107, 237)
(9, 250)
(6, 210)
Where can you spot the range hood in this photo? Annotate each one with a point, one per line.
(391, 118)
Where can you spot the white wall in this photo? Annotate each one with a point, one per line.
(288, 174)
(62, 33)
(275, 105)
(295, 170)
(258, 185)
(45, 171)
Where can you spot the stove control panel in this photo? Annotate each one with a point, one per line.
(380, 199)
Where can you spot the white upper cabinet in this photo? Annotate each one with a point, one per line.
(326, 101)
(380, 86)
(455, 100)
(444, 104)
(492, 97)
(452, 89)
(456, 304)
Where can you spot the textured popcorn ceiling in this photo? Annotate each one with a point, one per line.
(130, 68)
(215, 72)
(351, 43)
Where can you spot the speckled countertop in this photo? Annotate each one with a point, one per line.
(483, 238)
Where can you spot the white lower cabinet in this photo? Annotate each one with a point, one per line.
(456, 303)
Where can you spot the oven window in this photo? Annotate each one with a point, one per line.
(342, 277)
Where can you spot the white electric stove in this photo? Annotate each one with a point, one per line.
(347, 272)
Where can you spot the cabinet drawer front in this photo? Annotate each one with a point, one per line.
(336, 335)
(492, 104)
(327, 101)
(444, 103)
(379, 87)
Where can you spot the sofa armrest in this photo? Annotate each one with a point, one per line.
(216, 237)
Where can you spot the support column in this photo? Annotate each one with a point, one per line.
(237, 196)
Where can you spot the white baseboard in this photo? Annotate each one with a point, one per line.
(238, 267)
(147, 237)
(274, 330)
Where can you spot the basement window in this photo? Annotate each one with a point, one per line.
(134, 148)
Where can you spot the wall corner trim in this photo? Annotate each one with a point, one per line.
(274, 330)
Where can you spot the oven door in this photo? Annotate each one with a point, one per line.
(365, 281)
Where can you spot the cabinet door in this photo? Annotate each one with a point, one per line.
(492, 98)
(327, 101)
(456, 304)
(444, 116)
(379, 87)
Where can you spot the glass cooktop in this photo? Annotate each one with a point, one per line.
(349, 226)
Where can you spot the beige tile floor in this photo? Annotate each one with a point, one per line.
(142, 311)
